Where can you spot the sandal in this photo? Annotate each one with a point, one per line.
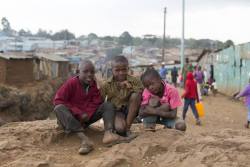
(85, 149)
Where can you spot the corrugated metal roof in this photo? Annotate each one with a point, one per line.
(12, 56)
(52, 57)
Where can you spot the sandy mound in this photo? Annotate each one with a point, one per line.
(168, 148)
(39, 144)
(32, 102)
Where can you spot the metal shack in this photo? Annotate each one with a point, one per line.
(53, 66)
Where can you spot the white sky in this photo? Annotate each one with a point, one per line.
(214, 19)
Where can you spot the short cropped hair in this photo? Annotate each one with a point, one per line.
(119, 59)
(150, 73)
(85, 62)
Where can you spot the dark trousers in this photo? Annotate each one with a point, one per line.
(189, 102)
(70, 124)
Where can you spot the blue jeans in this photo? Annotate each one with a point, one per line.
(168, 123)
(189, 102)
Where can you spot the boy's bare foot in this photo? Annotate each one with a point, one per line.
(111, 138)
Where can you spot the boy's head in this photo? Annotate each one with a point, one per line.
(163, 65)
(86, 71)
(119, 67)
(152, 81)
(190, 76)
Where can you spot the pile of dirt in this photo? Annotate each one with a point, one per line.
(169, 148)
(39, 144)
(31, 102)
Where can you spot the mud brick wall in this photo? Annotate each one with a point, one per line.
(19, 72)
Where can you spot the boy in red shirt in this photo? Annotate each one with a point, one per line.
(78, 104)
(190, 95)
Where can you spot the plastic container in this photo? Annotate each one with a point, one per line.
(200, 109)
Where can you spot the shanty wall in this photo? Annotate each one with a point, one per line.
(49, 68)
(232, 68)
(53, 69)
(63, 69)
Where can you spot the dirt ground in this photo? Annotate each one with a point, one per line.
(221, 141)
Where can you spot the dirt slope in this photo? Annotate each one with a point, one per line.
(221, 141)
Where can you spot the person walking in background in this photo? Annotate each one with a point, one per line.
(214, 87)
(190, 95)
(163, 71)
(205, 73)
(199, 77)
(187, 68)
(246, 93)
(174, 75)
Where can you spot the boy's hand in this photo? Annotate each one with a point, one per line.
(154, 102)
(84, 118)
(143, 114)
(147, 111)
(164, 107)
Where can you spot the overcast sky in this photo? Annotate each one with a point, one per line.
(214, 19)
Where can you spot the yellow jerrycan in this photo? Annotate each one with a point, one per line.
(200, 109)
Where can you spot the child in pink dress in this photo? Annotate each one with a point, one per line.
(159, 102)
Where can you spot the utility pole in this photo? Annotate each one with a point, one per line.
(183, 34)
(164, 35)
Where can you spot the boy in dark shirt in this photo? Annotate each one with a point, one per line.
(78, 104)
